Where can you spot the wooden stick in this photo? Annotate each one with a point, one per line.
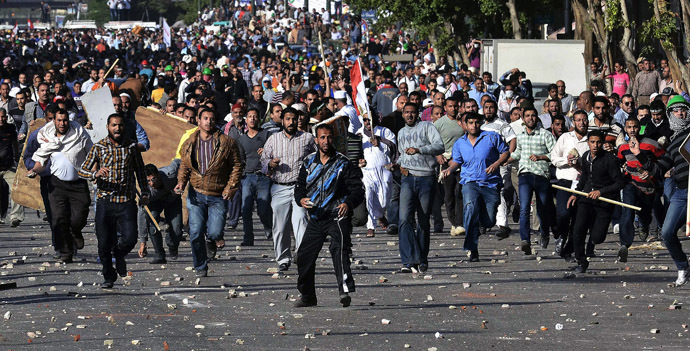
(687, 214)
(152, 219)
(111, 68)
(618, 203)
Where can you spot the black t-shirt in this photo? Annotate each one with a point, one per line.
(8, 147)
(374, 49)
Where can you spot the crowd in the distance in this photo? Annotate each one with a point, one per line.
(276, 128)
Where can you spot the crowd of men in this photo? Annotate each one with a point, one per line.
(262, 137)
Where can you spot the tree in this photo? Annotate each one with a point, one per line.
(514, 21)
(99, 12)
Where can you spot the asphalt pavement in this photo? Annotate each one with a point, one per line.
(507, 301)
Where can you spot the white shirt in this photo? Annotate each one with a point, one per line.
(501, 127)
(377, 157)
(559, 155)
(355, 121)
(61, 167)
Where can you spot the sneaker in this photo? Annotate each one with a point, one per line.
(643, 234)
(423, 267)
(201, 274)
(559, 246)
(474, 256)
(345, 300)
(452, 231)
(623, 254)
(284, 267)
(525, 247)
(121, 267)
(392, 230)
(79, 241)
(173, 254)
(211, 250)
(15, 223)
(64, 259)
(459, 230)
(503, 232)
(158, 261)
(580, 269)
(682, 277)
(616, 229)
(406, 269)
(544, 241)
(305, 303)
(107, 284)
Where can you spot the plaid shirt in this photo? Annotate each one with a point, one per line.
(123, 161)
(539, 142)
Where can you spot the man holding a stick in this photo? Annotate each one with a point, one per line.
(601, 177)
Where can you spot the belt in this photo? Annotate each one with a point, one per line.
(286, 184)
(255, 173)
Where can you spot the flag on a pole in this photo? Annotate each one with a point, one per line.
(167, 38)
(28, 22)
(359, 92)
(15, 29)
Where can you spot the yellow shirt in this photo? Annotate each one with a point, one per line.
(184, 138)
(157, 94)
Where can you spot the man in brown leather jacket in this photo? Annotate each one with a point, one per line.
(211, 163)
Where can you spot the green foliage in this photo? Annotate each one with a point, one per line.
(99, 12)
(189, 9)
(664, 30)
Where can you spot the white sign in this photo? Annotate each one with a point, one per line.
(98, 105)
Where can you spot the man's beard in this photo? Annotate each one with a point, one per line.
(118, 138)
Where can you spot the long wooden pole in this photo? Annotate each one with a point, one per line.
(618, 203)
(111, 68)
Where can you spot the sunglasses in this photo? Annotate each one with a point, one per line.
(627, 103)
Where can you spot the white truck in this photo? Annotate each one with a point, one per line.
(543, 61)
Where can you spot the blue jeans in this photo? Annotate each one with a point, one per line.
(528, 183)
(206, 215)
(675, 218)
(416, 195)
(634, 196)
(256, 187)
(235, 208)
(479, 205)
(393, 208)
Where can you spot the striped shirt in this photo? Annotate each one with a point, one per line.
(633, 167)
(204, 154)
(123, 162)
(674, 159)
(290, 151)
(539, 142)
(613, 131)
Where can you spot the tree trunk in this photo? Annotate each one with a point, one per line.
(514, 19)
(685, 10)
(679, 71)
(624, 43)
(583, 33)
(597, 18)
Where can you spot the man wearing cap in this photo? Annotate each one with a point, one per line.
(145, 69)
(677, 112)
(346, 109)
(646, 82)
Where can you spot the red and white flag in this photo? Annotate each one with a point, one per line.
(15, 29)
(359, 92)
(29, 23)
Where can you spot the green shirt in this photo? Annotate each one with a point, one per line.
(539, 142)
(450, 131)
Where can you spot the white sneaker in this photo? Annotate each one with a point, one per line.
(682, 277)
(460, 230)
(453, 230)
(616, 229)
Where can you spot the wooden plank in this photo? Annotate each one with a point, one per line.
(164, 132)
(27, 191)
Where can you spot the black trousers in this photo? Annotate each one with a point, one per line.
(69, 204)
(340, 248)
(116, 231)
(593, 216)
(565, 218)
(46, 185)
(452, 197)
